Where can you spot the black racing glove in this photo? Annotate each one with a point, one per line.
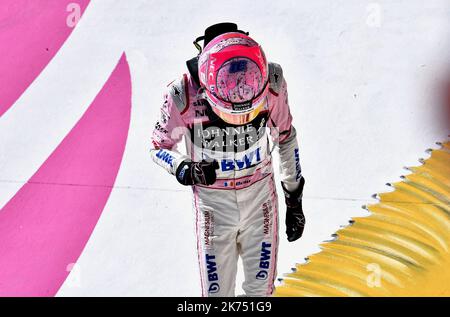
(295, 220)
(193, 173)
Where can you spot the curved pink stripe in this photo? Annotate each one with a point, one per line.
(31, 32)
(46, 225)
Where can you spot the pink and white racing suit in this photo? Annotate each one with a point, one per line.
(238, 214)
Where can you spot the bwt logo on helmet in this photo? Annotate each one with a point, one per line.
(165, 157)
(264, 261)
(248, 160)
(213, 277)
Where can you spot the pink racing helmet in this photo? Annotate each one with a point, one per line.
(233, 71)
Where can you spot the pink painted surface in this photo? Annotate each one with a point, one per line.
(46, 225)
(31, 32)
